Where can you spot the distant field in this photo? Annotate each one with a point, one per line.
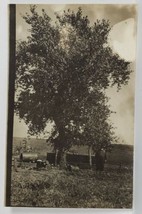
(121, 154)
(38, 145)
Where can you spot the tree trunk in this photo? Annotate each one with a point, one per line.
(56, 156)
(90, 156)
(61, 143)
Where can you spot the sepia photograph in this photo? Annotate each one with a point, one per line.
(70, 133)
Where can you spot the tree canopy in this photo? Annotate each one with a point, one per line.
(62, 72)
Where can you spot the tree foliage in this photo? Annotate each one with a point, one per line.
(62, 72)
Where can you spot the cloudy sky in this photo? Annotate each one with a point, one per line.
(122, 39)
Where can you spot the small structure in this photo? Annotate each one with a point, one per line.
(78, 156)
(28, 157)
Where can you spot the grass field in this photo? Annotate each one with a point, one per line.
(52, 187)
(82, 189)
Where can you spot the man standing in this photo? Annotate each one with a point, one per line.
(100, 159)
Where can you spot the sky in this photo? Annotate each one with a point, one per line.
(122, 40)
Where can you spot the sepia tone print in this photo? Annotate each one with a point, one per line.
(73, 128)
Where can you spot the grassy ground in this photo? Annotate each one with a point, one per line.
(83, 189)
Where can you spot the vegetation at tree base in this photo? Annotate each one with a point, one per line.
(62, 72)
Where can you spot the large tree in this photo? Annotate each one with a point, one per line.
(62, 72)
